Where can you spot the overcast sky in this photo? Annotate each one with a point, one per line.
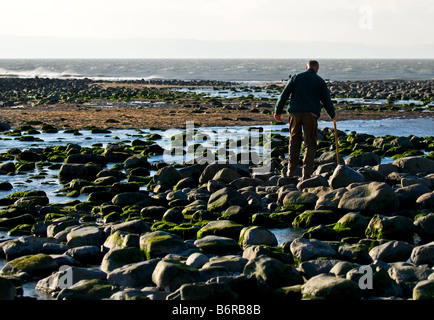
(402, 23)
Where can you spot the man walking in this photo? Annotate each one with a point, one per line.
(305, 91)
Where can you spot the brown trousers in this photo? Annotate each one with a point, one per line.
(299, 123)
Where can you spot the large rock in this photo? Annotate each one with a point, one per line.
(392, 251)
(217, 245)
(365, 159)
(255, 236)
(224, 228)
(85, 236)
(424, 290)
(25, 245)
(226, 175)
(272, 273)
(415, 165)
(425, 227)
(87, 290)
(70, 171)
(170, 274)
(425, 201)
(391, 228)
(408, 195)
(165, 179)
(117, 258)
(423, 254)
(309, 249)
(330, 200)
(133, 275)
(68, 276)
(160, 243)
(298, 197)
(352, 224)
(343, 176)
(233, 263)
(224, 198)
(328, 287)
(370, 198)
(38, 265)
(132, 198)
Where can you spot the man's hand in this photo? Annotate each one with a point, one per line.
(277, 117)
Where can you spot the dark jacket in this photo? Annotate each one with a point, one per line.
(306, 91)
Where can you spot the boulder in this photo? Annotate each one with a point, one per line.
(224, 228)
(352, 224)
(364, 159)
(343, 176)
(136, 161)
(298, 197)
(415, 165)
(407, 274)
(309, 249)
(330, 200)
(86, 255)
(392, 251)
(70, 171)
(311, 218)
(171, 274)
(160, 243)
(257, 236)
(197, 260)
(391, 228)
(37, 265)
(425, 201)
(68, 276)
(226, 175)
(425, 227)
(224, 198)
(85, 236)
(165, 179)
(136, 226)
(207, 291)
(313, 182)
(312, 268)
(132, 198)
(233, 263)
(370, 198)
(87, 290)
(424, 290)
(328, 287)
(408, 195)
(423, 254)
(272, 273)
(24, 245)
(134, 275)
(117, 258)
(211, 170)
(217, 245)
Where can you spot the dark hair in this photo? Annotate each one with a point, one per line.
(313, 63)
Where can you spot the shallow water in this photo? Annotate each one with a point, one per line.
(49, 181)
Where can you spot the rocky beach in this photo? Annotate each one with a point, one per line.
(361, 229)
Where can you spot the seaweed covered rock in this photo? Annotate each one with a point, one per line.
(159, 243)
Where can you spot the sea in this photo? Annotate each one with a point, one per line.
(232, 70)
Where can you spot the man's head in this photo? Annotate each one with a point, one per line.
(312, 64)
